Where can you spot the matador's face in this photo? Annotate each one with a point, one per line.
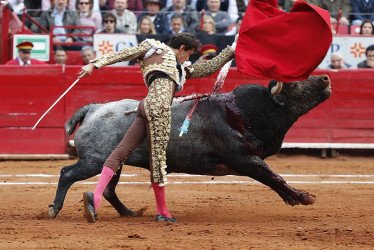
(183, 55)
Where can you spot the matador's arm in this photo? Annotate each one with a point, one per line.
(122, 55)
(210, 67)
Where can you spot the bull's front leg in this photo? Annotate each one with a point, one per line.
(81, 170)
(256, 168)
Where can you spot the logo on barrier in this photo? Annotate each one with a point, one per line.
(105, 47)
(357, 50)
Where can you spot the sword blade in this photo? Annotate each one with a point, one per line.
(55, 102)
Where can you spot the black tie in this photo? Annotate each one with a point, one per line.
(25, 63)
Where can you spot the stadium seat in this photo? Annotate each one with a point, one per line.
(355, 29)
(342, 29)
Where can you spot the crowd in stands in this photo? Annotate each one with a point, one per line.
(222, 17)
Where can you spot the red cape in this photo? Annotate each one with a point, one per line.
(279, 45)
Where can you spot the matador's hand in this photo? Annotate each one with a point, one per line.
(86, 70)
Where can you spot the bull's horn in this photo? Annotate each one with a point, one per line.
(277, 88)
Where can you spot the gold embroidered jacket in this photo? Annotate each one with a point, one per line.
(154, 56)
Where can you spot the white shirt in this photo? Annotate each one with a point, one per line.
(21, 63)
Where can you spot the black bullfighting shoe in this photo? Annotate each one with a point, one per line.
(89, 207)
(164, 218)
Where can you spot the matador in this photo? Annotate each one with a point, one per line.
(165, 69)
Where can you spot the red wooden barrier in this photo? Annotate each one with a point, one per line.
(27, 92)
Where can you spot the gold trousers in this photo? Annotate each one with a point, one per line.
(153, 120)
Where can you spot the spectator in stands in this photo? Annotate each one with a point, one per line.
(362, 10)
(367, 28)
(146, 26)
(60, 56)
(87, 54)
(159, 19)
(104, 6)
(333, 7)
(235, 30)
(109, 23)
(338, 62)
(287, 4)
(17, 6)
(209, 25)
(202, 4)
(72, 5)
(221, 19)
(132, 5)
(369, 62)
(87, 17)
(176, 24)
(237, 8)
(190, 16)
(207, 52)
(59, 15)
(47, 4)
(24, 55)
(126, 20)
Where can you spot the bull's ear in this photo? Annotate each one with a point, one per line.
(279, 99)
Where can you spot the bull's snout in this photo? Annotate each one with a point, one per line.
(327, 82)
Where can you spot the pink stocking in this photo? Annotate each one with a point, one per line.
(160, 200)
(106, 175)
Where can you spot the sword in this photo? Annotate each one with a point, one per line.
(71, 86)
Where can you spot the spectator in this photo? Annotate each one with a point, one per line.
(59, 15)
(333, 7)
(24, 55)
(237, 8)
(190, 16)
(176, 24)
(17, 6)
(338, 62)
(126, 20)
(146, 26)
(88, 18)
(109, 22)
(369, 62)
(362, 10)
(47, 4)
(159, 19)
(209, 25)
(367, 28)
(104, 7)
(221, 19)
(207, 52)
(72, 5)
(235, 30)
(60, 56)
(132, 5)
(287, 4)
(202, 4)
(87, 54)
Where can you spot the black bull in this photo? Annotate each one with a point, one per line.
(229, 134)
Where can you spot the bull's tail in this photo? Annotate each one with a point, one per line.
(76, 119)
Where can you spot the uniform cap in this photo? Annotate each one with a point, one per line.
(208, 48)
(25, 46)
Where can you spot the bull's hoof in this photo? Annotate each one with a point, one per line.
(128, 213)
(164, 218)
(304, 198)
(307, 199)
(89, 207)
(51, 210)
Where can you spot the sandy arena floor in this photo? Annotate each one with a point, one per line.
(213, 213)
